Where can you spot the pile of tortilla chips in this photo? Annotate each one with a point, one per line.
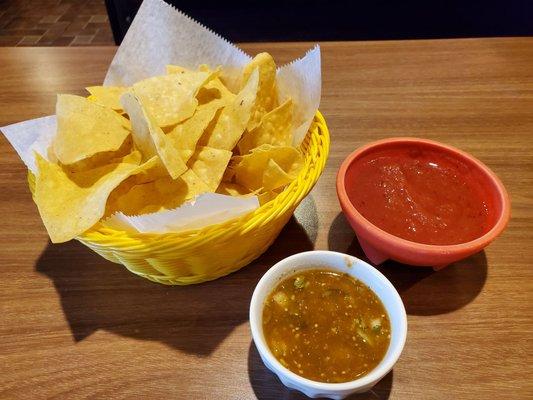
(163, 141)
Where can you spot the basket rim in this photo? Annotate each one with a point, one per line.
(100, 235)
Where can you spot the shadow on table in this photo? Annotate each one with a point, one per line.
(266, 384)
(423, 291)
(307, 216)
(97, 294)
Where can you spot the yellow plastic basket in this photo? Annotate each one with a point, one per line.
(204, 254)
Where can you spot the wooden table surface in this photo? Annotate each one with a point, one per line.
(74, 325)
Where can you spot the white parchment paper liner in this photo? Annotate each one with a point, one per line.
(207, 209)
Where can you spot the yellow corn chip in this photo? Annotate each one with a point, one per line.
(275, 129)
(105, 157)
(149, 138)
(139, 124)
(185, 136)
(228, 174)
(156, 171)
(275, 177)
(266, 92)
(268, 167)
(213, 90)
(209, 164)
(171, 98)
(195, 185)
(85, 128)
(161, 194)
(213, 87)
(233, 189)
(71, 203)
(107, 96)
(233, 118)
(152, 170)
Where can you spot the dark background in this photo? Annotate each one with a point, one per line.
(313, 20)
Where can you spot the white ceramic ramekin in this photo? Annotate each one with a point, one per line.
(359, 270)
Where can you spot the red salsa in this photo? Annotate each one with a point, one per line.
(419, 194)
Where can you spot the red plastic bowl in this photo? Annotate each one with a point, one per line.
(379, 245)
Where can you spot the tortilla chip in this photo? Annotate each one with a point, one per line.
(275, 129)
(266, 92)
(209, 164)
(100, 159)
(156, 171)
(233, 118)
(139, 125)
(275, 177)
(161, 194)
(152, 170)
(85, 128)
(233, 189)
(70, 203)
(107, 96)
(171, 98)
(149, 138)
(229, 173)
(268, 167)
(185, 136)
(213, 90)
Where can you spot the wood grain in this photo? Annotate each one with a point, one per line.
(76, 326)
